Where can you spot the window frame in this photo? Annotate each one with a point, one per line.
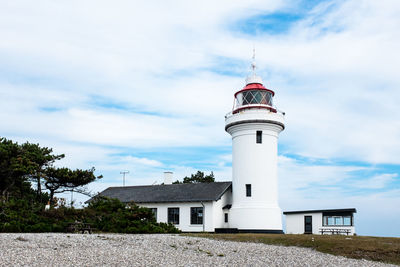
(195, 218)
(258, 137)
(248, 190)
(154, 211)
(331, 220)
(173, 217)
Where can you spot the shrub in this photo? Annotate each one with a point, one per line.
(106, 215)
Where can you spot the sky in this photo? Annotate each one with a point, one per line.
(144, 86)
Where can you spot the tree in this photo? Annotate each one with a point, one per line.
(59, 180)
(39, 158)
(14, 168)
(199, 177)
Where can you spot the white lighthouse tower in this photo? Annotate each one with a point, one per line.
(254, 125)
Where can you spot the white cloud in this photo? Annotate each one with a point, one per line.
(143, 161)
(338, 87)
(377, 182)
(335, 74)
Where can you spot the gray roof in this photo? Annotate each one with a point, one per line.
(168, 193)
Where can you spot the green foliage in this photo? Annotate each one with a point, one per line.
(111, 215)
(59, 180)
(22, 209)
(105, 215)
(199, 177)
(22, 164)
(39, 159)
(14, 168)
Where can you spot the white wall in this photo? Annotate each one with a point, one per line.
(295, 224)
(255, 164)
(218, 212)
(211, 215)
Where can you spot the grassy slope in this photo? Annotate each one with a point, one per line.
(382, 249)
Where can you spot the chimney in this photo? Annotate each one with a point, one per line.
(168, 177)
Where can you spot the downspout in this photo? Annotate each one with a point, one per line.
(204, 215)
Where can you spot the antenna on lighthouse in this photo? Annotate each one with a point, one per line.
(253, 63)
(253, 78)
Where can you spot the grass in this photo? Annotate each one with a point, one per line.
(382, 249)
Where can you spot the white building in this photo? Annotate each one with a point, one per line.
(254, 124)
(191, 207)
(247, 204)
(330, 221)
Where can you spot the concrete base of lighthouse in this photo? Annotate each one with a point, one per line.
(256, 220)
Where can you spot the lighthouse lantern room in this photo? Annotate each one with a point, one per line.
(254, 125)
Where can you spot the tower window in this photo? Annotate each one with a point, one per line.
(248, 190)
(259, 137)
(226, 217)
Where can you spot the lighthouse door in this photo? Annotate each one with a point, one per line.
(308, 224)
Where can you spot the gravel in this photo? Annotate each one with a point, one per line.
(50, 249)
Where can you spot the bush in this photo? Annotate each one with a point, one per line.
(106, 215)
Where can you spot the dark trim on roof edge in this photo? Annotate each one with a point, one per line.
(255, 121)
(178, 201)
(223, 192)
(318, 211)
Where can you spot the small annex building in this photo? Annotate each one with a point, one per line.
(190, 207)
(320, 222)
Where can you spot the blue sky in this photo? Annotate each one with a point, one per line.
(113, 89)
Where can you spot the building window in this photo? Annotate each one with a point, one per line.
(347, 220)
(226, 217)
(196, 215)
(154, 211)
(173, 215)
(259, 137)
(337, 221)
(248, 190)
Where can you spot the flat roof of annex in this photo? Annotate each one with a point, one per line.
(352, 210)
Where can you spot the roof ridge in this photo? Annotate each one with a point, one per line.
(169, 193)
(129, 186)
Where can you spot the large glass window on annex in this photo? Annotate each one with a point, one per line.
(196, 215)
(337, 221)
(173, 215)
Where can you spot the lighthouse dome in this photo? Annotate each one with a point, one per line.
(254, 96)
(254, 79)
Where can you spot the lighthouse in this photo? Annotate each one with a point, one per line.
(254, 124)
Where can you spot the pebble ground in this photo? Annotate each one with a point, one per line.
(50, 249)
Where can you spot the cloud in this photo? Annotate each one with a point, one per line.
(145, 87)
(377, 182)
(166, 67)
(143, 161)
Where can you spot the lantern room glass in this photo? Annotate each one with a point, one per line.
(251, 97)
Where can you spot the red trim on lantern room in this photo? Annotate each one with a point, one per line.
(255, 86)
(254, 106)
